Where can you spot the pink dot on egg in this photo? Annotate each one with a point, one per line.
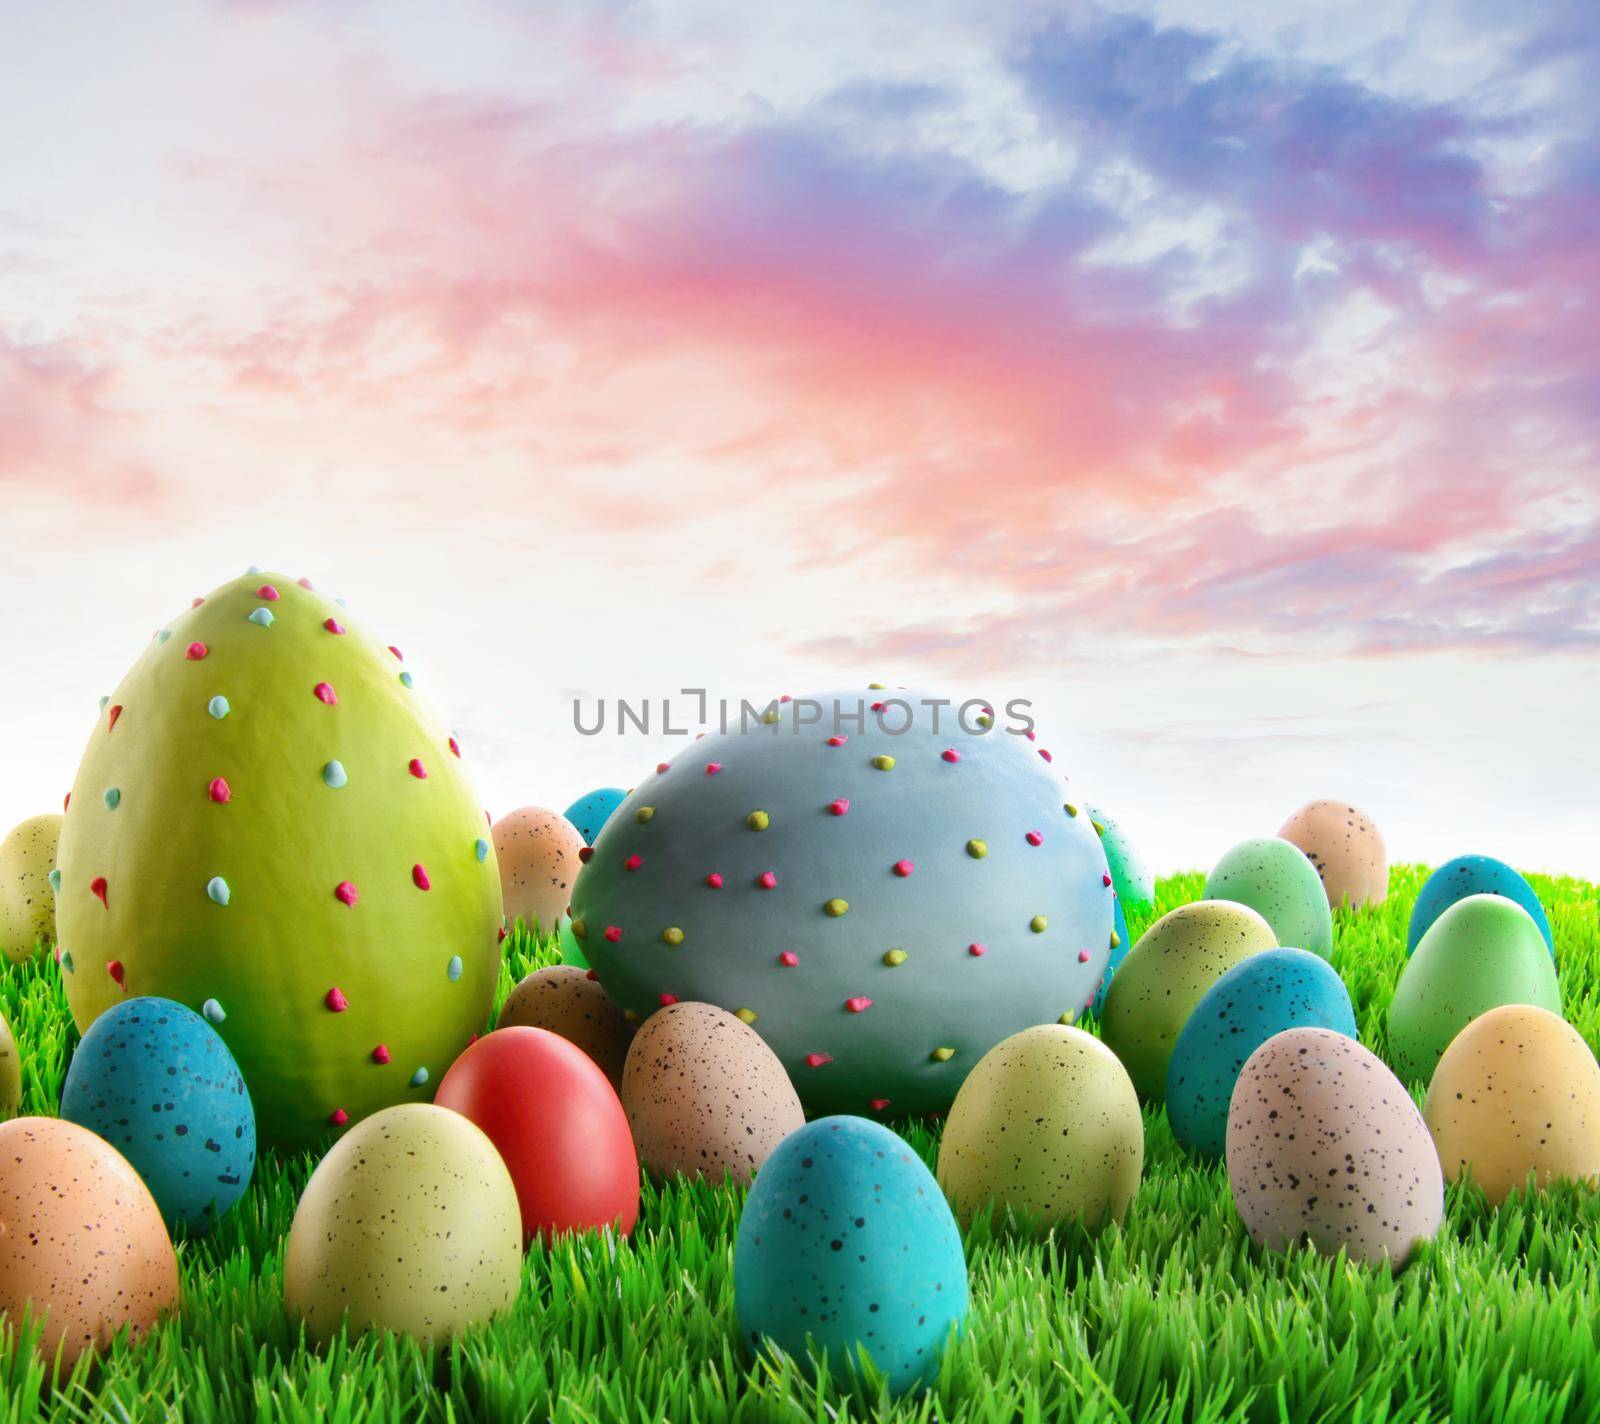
(714, 880)
(585, 854)
(333, 625)
(816, 1060)
(788, 959)
(338, 1117)
(713, 767)
(114, 969)
(767, 880)
(613, 933)
(195, 651)
(196, 602)
(839, 807)
(633, 862)
(1083, 956)
(591, 976)
(268, 592)
(661, 766)
(324, 693)
(419, 877)
(1029, 736)
(336, 1000)
(950, 754)
(380, 1054)
(837, 741)
(304, 583)
(977, 950)
(1034, 838)
(220, 791)
(97, 887)
(859, 1004)
(1105, 879)
(879, 1104)
(668, 999)
(455, 747)
(1046, 755)
(399, 656)
(112, 715)
(345, 892)
(903, 868)
(417, 769)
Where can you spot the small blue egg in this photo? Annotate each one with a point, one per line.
(589, 813)
(1472, 875)
(1263, 995)
(157, 1082)
(1119, 952)
(847, 1244)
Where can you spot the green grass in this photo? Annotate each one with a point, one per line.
(1175, 1316)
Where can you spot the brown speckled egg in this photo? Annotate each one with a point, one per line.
(705, 1095)
(1166, 974)
(1343, 844)
(538, 855)
(410, 1224)
(1517, 1091)
(569, 1001)
(1047, 1128)
(27, 902)
(10, 1072)
(1326, 1148)
(80, 1236)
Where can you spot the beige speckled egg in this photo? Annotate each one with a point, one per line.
(410, 1224)
(27, 903)
(10, 1072)
(80, 1237)
(1166, 974)
(1344, 845)
(1046, 1127)
(705, 1095)
(569, 1001)
(538, 855)
(1325, 1147)
(1517, 1091)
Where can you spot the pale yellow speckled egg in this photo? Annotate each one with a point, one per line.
(1166, 974)
(1047, 1128)
(1516, 1092)
(1326, 1148)
(569, 1001)
(705, 1095)
(1342, 842)
(538, 855)
(27, 903)
(81, 1238)
(10, 1072)
(410, 1224)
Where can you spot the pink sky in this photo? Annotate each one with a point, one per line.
(1228, 387)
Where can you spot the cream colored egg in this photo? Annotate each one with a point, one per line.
(1046, 1128)
(27, 902)
(538, 855)
(81, 1238)
(1343, 844)
(1516, 1092)
(1326, 1148)
(569, 1001)
(410, 1224)
(10, 1072)
(705, 1095)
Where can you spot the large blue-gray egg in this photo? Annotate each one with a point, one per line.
(847, 1245)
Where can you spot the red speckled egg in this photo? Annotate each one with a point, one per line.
(559, 1125)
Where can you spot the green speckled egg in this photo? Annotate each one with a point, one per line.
(1047, 1128)
(410, 1224)
(10, 1072)
(1482, 952)
(27, 903)
(1165, 975)
(1130, 875)
(1274, 878)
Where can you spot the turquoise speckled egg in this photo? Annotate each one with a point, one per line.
(1130, 874)
(1472, 875)
(847, 1245)
(1267, 993)
(1273, 877)
(156, 1081)
(589, 813)
(1120, 945)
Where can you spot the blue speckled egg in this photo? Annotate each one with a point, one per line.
(847, 1244)
(154, 1080)
(1472, 875)
(1265, 994)
(1120, 945)
(589, 813)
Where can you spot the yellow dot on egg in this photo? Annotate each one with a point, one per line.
(835, 907)
(758, 820)
(1069, 808)
(672, 935)
(631, 1016)
(1038, 924)
(745, 1015)
(942, 1055)
(643, 814)
(883, 763)
(580, 930)
(1116, 939)
(977, 849)
(1099, 829)
(894, 957)
(875, 687)
(1067, 1019)
(769, 716)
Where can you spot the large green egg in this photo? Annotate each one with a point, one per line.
(1165, 975)
(1482, 952)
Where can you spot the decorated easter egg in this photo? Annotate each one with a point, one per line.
(887, 901)
(847, 1246)
(1345, 848)
(705, 1096)
(569, 1001)
(1046, 1130)
(1134, 882)
(1326, 1148)
(590, 813)
(156, 1081)
(10, 1072)
(1175, 961)
(408, 1224)
(558, 1124)
(27, 903)
(538, 855)
(270, 827)
(1482, 952)
(1263, 995)
(1472, 875)
(1274, 878)
(81, 1239)
(1516, 1093)
(1121, 943)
